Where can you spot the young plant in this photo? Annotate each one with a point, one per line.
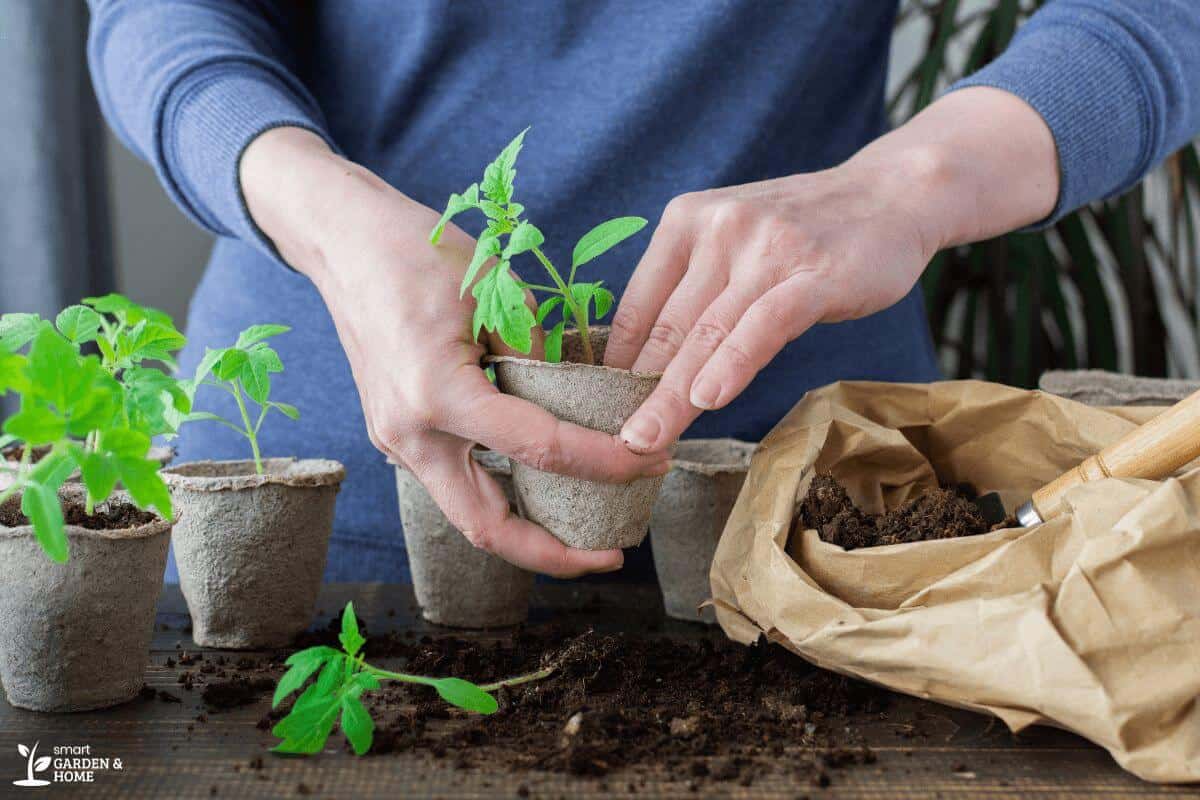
(499, 295)
(244, 371)
(344, 676)
(92, 414)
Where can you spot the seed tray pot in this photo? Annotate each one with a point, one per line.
(456, 583)
(696, 498)
(251, 548)
(76, 636)
(586, 514)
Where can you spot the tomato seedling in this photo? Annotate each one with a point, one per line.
(337, 691)
(88, 413)
(243, 371)
(500, 305)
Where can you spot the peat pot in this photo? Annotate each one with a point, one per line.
(76, 636)
(456, 583)
(251, 548)
(696, 499)
(581, 513)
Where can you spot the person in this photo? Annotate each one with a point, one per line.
(320, 144)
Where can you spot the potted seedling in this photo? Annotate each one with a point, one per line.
(342, 678)
(130, 338)
(570, 383)
(442, 560)
(696, 499)
(81, 565)
(253, 534)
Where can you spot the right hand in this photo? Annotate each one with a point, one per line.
(394, 299)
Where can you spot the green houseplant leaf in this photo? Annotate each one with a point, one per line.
(604, 237)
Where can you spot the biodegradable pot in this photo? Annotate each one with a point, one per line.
(456, 583)
(251, 548)
(76, 636)
(582, 513)
(696, 499)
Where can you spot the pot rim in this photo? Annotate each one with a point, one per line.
(239, 475)
(602, 329)
(713, 468)
(155, 527)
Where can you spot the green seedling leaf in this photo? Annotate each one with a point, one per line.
(111, 303)
(546, 307)
(288, 410)
(99, 474)
(604, 237)
(500, 307)
(500, 175)
(211, 357)
(523, 239)
(554, 338)
(356, 722)
(53, 470)
(465, 695)
(352, 641)
(256, 333)
(457, 204)
(18, 330)
(255, 380)
(144, 484)
(306, 729)
(125, 442)
(13, 373)
(231, 364)
(486, 246)
(493, 211)
(36, 425)
(52, 361)
(301, 666)
(78, 323)
(40, 504)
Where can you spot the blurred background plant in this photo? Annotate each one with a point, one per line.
(1113, 286)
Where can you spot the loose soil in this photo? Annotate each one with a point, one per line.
(706, 712)
(943, 513)
(105, 517)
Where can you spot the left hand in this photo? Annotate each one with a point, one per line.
(732, 275)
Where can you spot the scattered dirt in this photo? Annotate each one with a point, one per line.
(706, 711)
(240, 691)
(942, 513)
(105, 517)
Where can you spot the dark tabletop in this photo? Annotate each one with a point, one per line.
(165, 752)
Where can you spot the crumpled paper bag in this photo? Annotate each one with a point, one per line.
(1090, 622)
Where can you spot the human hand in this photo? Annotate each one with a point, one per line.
(732, 275)
(395, 301)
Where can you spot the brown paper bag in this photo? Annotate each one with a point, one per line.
(1090, 622)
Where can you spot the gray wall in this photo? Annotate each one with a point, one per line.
(159, 253)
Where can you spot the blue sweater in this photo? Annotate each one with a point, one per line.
(631, 101)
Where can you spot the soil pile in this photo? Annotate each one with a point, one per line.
(705, 711)
(942, 513)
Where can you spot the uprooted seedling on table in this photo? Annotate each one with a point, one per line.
(343, 677)
(499, 295)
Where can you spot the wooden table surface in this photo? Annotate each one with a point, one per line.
(165, 753)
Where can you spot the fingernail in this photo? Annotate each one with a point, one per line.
(640, 432)
(705, 393)
(616, 566)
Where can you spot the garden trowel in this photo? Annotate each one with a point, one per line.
(1152, 451)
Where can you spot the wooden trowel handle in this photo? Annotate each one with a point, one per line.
(1154, 450)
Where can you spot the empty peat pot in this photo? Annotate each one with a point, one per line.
(694, 504)
(76, 636)
(582, 513)
(251, 548)
(456, 583)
